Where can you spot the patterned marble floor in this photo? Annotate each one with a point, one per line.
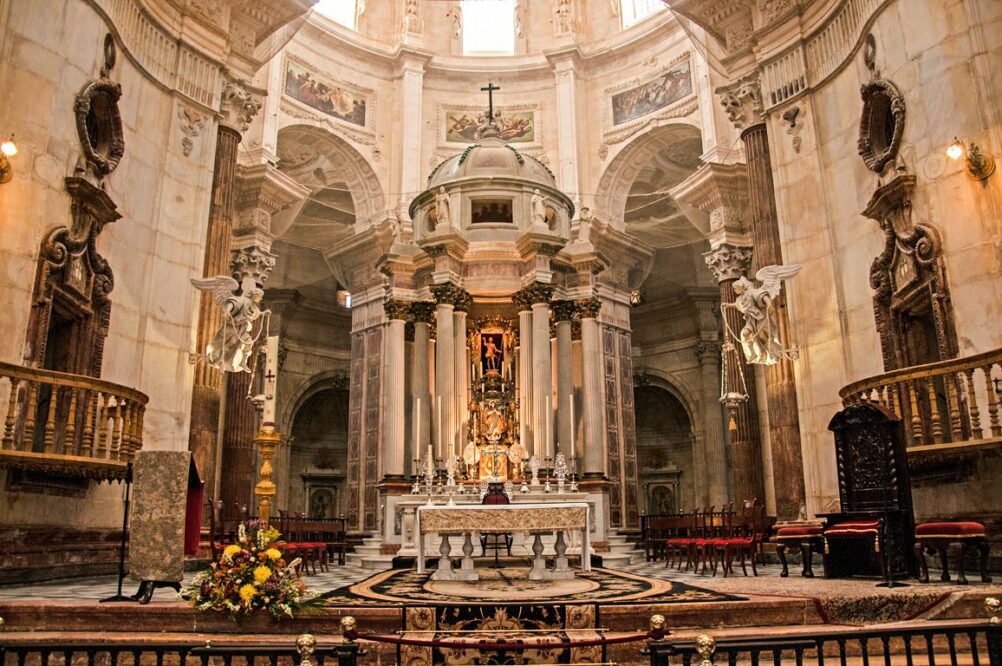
(766, 584)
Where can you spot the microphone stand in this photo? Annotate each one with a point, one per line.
(118, 596)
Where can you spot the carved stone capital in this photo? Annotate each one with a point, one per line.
(742, 102)
(707, 351)
(563, 310)
(453, 295)
(237, 106)
(728, 261)
(423, 312)
(396, 308)
(588, 308)
(537, 292)
(254, 261)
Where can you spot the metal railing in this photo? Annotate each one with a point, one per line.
(83, 425)
(956, 400)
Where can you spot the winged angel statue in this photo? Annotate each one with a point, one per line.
(232, 346)
(760, 334)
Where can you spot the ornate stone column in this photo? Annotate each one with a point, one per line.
(447, 296)
(591, 389)
(524, 307)
(743, 104)
(237, 108)
(461, 397)
(563, 313)
(394, 391)
(423, 314)
(539, 295)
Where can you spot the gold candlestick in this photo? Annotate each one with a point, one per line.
(266, 441)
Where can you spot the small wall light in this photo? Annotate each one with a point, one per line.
(979, 165)
(7, 149)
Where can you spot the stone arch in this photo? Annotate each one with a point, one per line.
(666, 447)
(306, 388)
(319, 158)
(624, 169)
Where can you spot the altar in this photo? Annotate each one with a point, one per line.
(533, 518)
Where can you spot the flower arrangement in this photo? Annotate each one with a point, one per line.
(250, 575)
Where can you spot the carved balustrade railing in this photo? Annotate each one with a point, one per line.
(950, 401)
(79, 425)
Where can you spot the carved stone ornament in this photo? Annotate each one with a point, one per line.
(423, 312)
(191, 122)
(396, 308)
(452, 295)
(563, 310)
(881, 125)
(537, 292)
(729, 262)
(588, 308)
(742, 102)
(238, 106)
(252, 261)
(99, 122)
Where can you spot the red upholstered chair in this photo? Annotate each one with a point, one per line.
(496, 495)
(747, 534)
(807, 537)
(867, 531)
(937, 537)
(683, 543)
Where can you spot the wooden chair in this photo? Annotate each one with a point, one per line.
(683, 541)
(296, 545)
(496, 541)
(749, 532)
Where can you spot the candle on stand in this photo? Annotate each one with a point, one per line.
(270, 380)
(548, 444)
(570, 401)
(438, 439)
(417, 418)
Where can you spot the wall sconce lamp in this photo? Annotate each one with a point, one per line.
(979, 165)
(7, 149)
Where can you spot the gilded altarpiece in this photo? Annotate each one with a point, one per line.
(494, 447)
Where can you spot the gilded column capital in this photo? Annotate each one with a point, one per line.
(423, 312)
(453, 295)
(588, 308)
(527, 296)
(563, 310)
(238, 105)
(396, 308)
(742, 102)
(729, 261)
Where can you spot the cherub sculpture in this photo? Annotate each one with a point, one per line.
(231, 347)
(760, 334)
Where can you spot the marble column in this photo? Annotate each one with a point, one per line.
(525, 374)
(563, 312)
(462, 381)
(542, 370)
(591, 389)
(729, 262)
(781, 388)
(237, 107)
(447, 296)
(394, 391)
(423, 314)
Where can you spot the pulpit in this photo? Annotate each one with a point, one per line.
(876, 524)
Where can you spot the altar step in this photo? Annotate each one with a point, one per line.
(369, 555)
(621, 552)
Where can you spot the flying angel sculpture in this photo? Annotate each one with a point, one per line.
(232, 346)
(760, 334)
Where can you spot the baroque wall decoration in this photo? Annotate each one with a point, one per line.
(651, 95)
(191, 122)
(882, 122)
(461, 125)
(342, 101)
(98, 120)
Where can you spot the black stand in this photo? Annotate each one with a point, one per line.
(146, 588)
(118, 596)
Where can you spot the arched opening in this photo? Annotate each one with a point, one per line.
(664, 451)
(318, 454)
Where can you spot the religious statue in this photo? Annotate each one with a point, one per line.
(471, 458)
(760, 334)
(584, 226)
(443, 214)
(491, 353)
(538, 209)
(231, 347)
(493, 422)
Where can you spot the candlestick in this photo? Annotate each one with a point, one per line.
(438, 439)
(270, 380)
(549, 442)
(570, 399)
(417, 435)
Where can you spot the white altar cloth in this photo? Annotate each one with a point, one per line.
(533, 517)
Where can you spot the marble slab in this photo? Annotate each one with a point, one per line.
(156, 530)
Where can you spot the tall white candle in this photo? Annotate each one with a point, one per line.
(548, 446)
(570, 401)
(439, 439)
(270, 380)
(417, 419)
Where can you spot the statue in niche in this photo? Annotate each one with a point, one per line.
(491, 353)
(760, 334)
(493, 422)
(538, 207)
(584, 226)
(471, 458)
(443, 214)
(231, 347)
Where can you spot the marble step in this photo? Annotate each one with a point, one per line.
(377, 563)
(367, 551)
(622, 547)
(372, 541)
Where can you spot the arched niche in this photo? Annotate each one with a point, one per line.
(318, 454)
(665, 445)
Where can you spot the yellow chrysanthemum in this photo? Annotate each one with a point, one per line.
(247, 592)
(273, 553)
(261, 574)
(230, 551)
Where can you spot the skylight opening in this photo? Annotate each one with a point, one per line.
(635, 11)
(339, 11)
(488, 27)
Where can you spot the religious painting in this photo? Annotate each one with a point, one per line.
(466, 126)
(657, 93)
(324, 95)
(491, 211)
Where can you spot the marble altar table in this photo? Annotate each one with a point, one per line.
(534, 518)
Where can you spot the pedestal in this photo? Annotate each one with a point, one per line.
(538, 571)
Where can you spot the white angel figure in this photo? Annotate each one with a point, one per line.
(231, 347)
(760, 334)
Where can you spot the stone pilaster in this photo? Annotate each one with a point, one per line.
(238, 107)
(525, 388)
(542, 383)
(461, 396)
(423, 314)
(447, 297)
(394, 391)
(591, 389)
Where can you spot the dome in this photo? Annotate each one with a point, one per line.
(491, 158)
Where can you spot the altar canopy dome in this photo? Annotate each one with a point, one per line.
(491, 158)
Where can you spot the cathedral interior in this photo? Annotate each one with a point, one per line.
(726, 272)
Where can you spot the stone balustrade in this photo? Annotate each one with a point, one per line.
(950, 401)
(79, 425)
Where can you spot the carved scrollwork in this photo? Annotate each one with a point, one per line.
(396, 308)
(453, 295)
(537, 292)
(99, 125)
(881, 124)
